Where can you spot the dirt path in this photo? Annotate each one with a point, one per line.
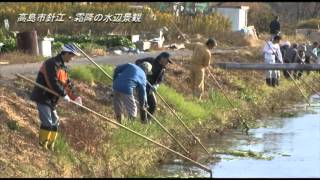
(8, 71)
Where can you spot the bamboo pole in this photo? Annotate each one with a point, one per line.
(120, 125)
(255, 66)
(165, 129)
(315, 91)
(176, 115)
(243, 122)
(294, 81)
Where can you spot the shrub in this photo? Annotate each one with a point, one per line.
(13, 125)
(57, 46)
(208, 25)
(260, 15)
(8, 40)
(10, 44)
(11, 11)
(85, 40)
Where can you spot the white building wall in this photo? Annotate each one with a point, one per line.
(242, 18)
(232, 14)
(237, 16)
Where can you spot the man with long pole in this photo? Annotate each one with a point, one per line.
(53, 93)
(155, 78)
(53, 74)
(200, 60)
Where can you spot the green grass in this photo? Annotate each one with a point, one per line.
(216, 101)
(191, 110)
(100, 76)
(130, 155)
(91, 73)
(82, 73)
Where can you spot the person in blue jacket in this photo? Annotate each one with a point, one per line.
(126, 79)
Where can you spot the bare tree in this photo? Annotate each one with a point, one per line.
(293, 12)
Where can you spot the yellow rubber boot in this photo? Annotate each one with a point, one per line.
(44, 136)
(52, 139)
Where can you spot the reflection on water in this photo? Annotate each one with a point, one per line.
(294, 142)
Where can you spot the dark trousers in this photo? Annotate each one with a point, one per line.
(307, 62)
(152, 102)
(272, 82)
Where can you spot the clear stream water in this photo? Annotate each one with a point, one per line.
(293, 142)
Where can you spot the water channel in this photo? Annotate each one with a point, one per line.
(291, 145)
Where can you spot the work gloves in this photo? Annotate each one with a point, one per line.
(78, 100)
(144, 106)
(154, 87)
(67, 98)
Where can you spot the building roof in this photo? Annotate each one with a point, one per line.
(238, 5)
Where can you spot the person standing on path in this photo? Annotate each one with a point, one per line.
(272, 55)
(284, 48)
(275, 27)
(291, 57)
(300, 59)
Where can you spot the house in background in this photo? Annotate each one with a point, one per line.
(237, 12)
(189, 8)
(238, 15)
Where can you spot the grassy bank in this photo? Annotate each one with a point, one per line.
(204, 118)
(89, 147)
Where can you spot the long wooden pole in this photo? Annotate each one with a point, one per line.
(165, 129)
(243, 122)
(176, 115)
(294, 81)
(171, 109)
(255, 66)
(315, 91)
(120, 125)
